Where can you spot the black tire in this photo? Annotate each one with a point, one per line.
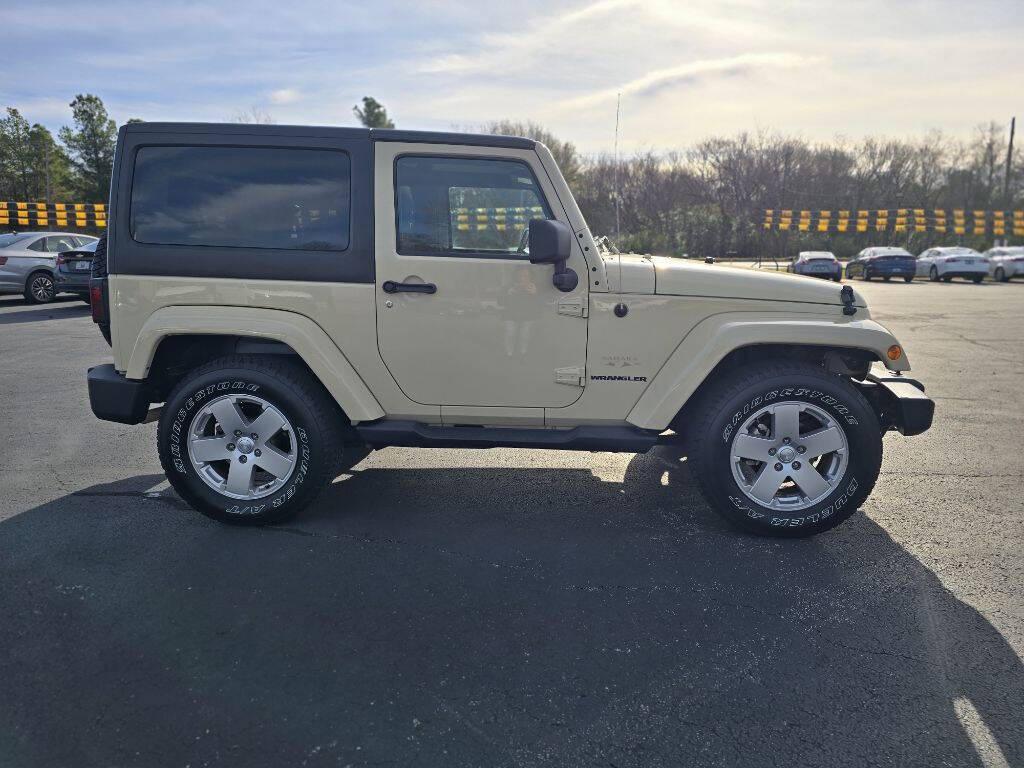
(1000, 275)
(867, 276)
(933, 274)
(887, 278)
(947, 278)
(40, 288)
(318, 427)
(977, 279)
(908, 279)
(724, 410)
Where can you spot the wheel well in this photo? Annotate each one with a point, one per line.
(177, 355)
(845, 361)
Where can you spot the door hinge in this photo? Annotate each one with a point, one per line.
(572, 376)
(574, 306)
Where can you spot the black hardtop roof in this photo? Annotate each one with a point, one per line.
(372, 134)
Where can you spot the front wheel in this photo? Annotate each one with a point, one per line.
(250, 440)
(908, 279)
(40, 289)
(787, 450)
(933, 274)
(977, 279)
(887, 278)
(1000, 275)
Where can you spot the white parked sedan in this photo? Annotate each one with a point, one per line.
(956, 261)
(1006, 262)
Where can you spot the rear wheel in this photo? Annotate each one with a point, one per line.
(887, 278)
(789, 450)
(977, 279)
(39, 288)
(250, 440)
(933, 274)
(908, 279)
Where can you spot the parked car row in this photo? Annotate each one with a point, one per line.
(35, 264)
(937, 264)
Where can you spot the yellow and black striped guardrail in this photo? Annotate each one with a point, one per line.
(500, 219)
(54, 215)
(953, 221)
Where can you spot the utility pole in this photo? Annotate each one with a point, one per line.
(618, 102)
(1007, 203)
(46, 161)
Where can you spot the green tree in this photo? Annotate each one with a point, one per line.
(15, 156)
(372, 114)
(33, 166)
(91, 145)
(564, 152)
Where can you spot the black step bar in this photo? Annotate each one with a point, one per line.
(413, 434)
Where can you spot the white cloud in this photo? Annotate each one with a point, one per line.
(692, 72)
(285, 96)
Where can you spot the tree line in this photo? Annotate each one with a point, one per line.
(707, 200)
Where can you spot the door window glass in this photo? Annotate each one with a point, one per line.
(461, 206)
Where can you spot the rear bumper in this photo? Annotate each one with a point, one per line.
(968, 274)
(112, 397)
(71, 282)
(901, 404)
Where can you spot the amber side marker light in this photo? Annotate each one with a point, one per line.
(894, 352)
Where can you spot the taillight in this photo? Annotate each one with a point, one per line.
(99, 311)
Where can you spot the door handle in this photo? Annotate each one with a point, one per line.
(390, 286)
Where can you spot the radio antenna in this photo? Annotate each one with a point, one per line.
(618, 102)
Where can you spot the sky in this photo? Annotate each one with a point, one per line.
(685, 70)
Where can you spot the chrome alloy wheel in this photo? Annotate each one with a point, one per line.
(42, 288)
(242, 446)
(789, 455)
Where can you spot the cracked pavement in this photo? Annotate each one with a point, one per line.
(514, 608)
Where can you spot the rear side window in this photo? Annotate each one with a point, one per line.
(242, 197)
(460, 206)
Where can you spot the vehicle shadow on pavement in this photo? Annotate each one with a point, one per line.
(45, 312)
(485, 616)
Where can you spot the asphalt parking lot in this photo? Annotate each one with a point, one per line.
(515, 608)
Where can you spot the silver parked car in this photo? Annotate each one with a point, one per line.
(28, 262)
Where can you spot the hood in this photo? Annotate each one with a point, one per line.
(682, 277)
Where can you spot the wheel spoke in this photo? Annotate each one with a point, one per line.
(811, 483)
(786, 421)
(275, 462)
(210, 449)
(766, 484)
(750, 447)
(240, 478)
(267, 424)
(821, 442)
(228, 416)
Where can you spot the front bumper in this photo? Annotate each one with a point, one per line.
(901, 403)
(112, 397)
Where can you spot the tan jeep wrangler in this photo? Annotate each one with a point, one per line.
(295, 297)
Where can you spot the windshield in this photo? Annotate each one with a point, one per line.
(6, 241)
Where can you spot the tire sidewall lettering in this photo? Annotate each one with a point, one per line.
(834, 503)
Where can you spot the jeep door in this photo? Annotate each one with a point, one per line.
(463, 317)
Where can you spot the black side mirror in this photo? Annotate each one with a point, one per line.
(551, 243)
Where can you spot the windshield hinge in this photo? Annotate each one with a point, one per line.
(574, 306)
(572, 376)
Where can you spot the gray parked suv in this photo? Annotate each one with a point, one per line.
(28, 261)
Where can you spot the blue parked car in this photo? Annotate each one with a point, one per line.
(817, 264)
(885, 262)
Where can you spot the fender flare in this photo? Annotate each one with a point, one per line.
(308, 339)
(713, 338)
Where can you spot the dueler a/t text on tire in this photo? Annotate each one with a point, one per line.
(786, 449)
(249, 439)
